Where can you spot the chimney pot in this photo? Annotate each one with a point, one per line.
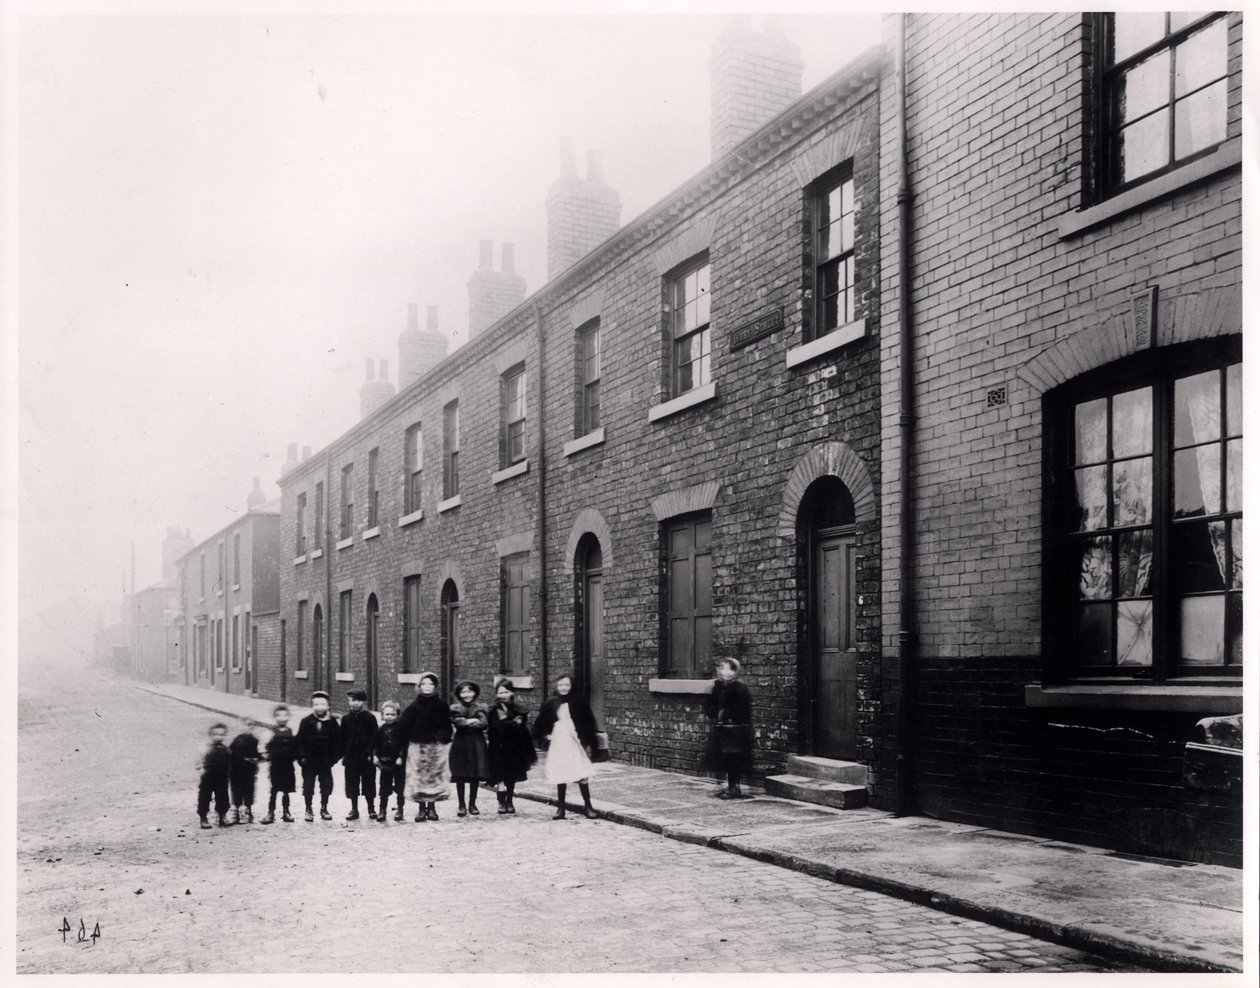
(383, 374)
(306, 452)
(595, 167)
(568, 162)
(509, 258)
(291, 454)
(413, 315)
(487, 254)
(431, 317)
(371, 368)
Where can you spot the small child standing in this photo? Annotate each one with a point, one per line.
(358, 728)
(242, 775)
(511, 749)
(469, 762)
(319, 749)
(388, 752)
(214, 763)
(281, 750)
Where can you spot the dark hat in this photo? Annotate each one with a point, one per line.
(427, 675)
(356, 694)
(470, 684)
(319, 693)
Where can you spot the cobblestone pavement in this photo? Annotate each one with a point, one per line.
(107, 834)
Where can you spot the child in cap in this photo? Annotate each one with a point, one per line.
(214, 764)
(319, 749)
(730, 744)
(426, 729)
(243, 774)
(469, 762)
(281, 750)
(388, 752)
(358, 728)
(511, 749)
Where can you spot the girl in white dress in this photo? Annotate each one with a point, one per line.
(567, 726)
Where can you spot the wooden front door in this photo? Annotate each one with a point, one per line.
(835, 652)
(594, 661)
(373, 623)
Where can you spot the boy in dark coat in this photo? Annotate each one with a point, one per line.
(730, 744)
(358, 728)
(319, 749)
(242, 775)
(214, 763)
(281, 751)
(388, 752)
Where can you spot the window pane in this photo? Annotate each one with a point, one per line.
(1091, 499)
(1203, 630)
(1197, 409)
(1095, 568)
(1143, 88)
(1197, 556)
(702, 308)
(1144, 146)
(1091, 431)
(1197, 481)
(830, 314)
(1200, 120)
(1179, 19)
(1134, 31)
(1236, 543)
(1092, 646)
(1131, 490)
(846, 231)
(1133, 633)
(1233, 475)
(1233, 628)
(1233, 400)
(1200, 59)
(1136, 552)
(1131, 423)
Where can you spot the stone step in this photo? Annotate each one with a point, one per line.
(803, 789)
(826, 769)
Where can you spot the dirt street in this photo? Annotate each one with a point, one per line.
(108, 839)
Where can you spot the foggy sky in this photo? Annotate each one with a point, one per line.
(220, 217)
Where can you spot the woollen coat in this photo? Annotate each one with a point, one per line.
(469, 759)
(510, 748)
(730, 742)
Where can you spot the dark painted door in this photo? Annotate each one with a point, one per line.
(593, 645)
(835, 672)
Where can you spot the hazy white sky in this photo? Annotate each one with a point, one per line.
(220, 216)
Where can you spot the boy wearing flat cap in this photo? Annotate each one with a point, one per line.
(358, 728)
(319, 749)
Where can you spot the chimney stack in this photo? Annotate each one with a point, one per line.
(306, 453)
(290, 459)
(581, 213)
(256, 498)
(374, 392)
(753, 77)
(493, 294)
(418, 352)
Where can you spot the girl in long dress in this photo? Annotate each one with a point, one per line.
(512, 751)
(426, 728)
(567, 725)
(470, 763)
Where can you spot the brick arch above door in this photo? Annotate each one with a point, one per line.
(833, 459)
(588, 521)
(449, 571)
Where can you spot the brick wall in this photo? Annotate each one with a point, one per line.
(269, 656)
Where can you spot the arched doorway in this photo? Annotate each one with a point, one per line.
(373, 626)
(592, 663)
(827, 564)
(317, 647)
(450, 635)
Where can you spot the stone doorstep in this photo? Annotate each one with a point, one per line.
(841, 795)
(827, 769)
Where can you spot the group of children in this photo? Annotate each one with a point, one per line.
(418, 752)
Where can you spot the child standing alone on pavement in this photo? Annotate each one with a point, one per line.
(730, 744)
(243, 775)
(469, 763)
(388, 752)
(281, 750)
(319, 749)
(358, 728)
(214, 763)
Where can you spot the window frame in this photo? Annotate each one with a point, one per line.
(301, 525)
(1106, 139)
(344, 630)
(413, 467)
(347, 501)
(514, 587)
(236, 558)
(303, 608)
(674, 282)
(589, 352)
(317, 536)
(450, 450)
(1158, 369)
(699, 659)
(374, 490)
(513, 416)
(412, 609)
(818, 194)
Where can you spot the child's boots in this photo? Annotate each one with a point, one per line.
(249, 814)
(205, 824)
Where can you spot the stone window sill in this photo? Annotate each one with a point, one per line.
(696, 396)
(298, 560)
(1228, 155)
(316, 553)
(218, 593)
(345, 543)
(301, 674)
(371, 533)
(1114, 696)
(411, 519)
(450, 504)
(235, 587)
(839, 337)
(409, 677)
(593, 438)
(696, 687)
(344, 677)
(507, 473)
(518, 682)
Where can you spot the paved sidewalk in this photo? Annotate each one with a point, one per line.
(1168, 915)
